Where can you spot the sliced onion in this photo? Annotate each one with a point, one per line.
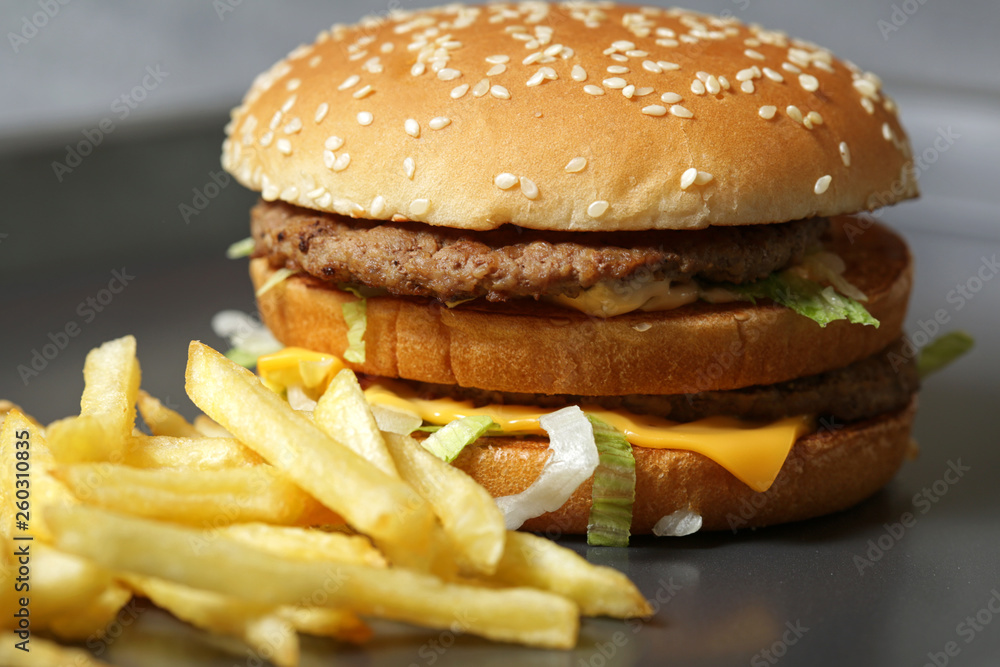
(396, 420)
(678, 524)
(299, 399)
(574, 459)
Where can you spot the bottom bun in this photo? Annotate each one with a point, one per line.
(827, 471)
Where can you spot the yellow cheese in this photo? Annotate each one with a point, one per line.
(752, 451)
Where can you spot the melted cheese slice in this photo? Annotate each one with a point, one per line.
(752, 451)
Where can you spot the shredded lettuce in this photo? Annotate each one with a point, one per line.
(614, 488)
(942, 352)
(448, 442)
(242, 356)
(278, 277)
(807, 298)
(247, 336)
(356, 317)
(242, 248)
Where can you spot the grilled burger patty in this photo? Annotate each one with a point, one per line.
(864, 389)
(415, 259)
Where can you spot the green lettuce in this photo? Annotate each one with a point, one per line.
(614, 488)
(356, 316)
(448, 441)
(807, 298)
(942, 352)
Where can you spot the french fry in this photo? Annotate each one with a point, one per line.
(161, 420)
(369, 500)
(306, 544)
(91, 620)
(327, 622)
(209, 497)
(529, 560)
(260, 627)
(43, 652)
(343, 413)
(199, 452)
(209, 428)
(62, 582)
(44, 489)
(226, 566)
(470, 517)
(107, 408)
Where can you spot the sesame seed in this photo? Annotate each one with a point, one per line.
(789, 67)
(293, 84)
(642, 92)
(623, 45)
(671, 98)
(747, 86)
(548, 73)
(809, 82)
(756, 55)
(498, 60)
(619, 58)
(294, 126)
(267, 138)
(634, 53)
(528, 188)
(794, 113)
(409, 167)
(536, 79)
(288, 104)
(363, 92)
(532, 59)
(886, 132)
(667, 42)
(767, 112)
(667, 66)
(591, 89)
(284, 146)
(316, 193)
(496, 70)
(553, 50)
(481, 88)
(655, 110)
(459, 91)
(650, 66)
(500, 92)
(576, 165)
(365, 118)
(387, 47)
(315, 60)
(702, 76)
(845, 154)
(329, 159)
(687, 178)
(713, 86)
(868, 105)
(681, 112)
(290, 193)
(628, 91)
(342, 161)
(702, 178)
(325, 201)
(270, 192)
(321, 112)
(420, 206)
(773, 76)
(615, 83)
(449, 74)
(814, 118)
(349, 82)
(333, 143)
(412, 127)
(697, 87)
(822, 184)
(505, 181)
(439, 122)
(618, 69)
(275, 120)
(597, 208)
(378, 206)
(745, 74)
(865, 87)
(418, 69)
(724, 82)
(578, 73)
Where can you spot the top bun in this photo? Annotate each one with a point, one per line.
(568, 117)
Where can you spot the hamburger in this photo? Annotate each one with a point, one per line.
(655, 214)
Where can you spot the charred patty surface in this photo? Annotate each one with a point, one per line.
(414, 259)
(878, 384)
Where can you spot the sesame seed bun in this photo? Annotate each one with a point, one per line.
(622, 119)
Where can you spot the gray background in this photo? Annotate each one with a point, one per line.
(733, 594)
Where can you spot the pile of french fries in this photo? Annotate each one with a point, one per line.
(261, 522)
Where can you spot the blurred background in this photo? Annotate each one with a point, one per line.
(116, 217)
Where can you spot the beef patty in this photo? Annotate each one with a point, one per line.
(414, 259)
(861, 390)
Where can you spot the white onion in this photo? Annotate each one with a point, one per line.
(678, 524)
(395, 420)
(574, 459)
(245, 331)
